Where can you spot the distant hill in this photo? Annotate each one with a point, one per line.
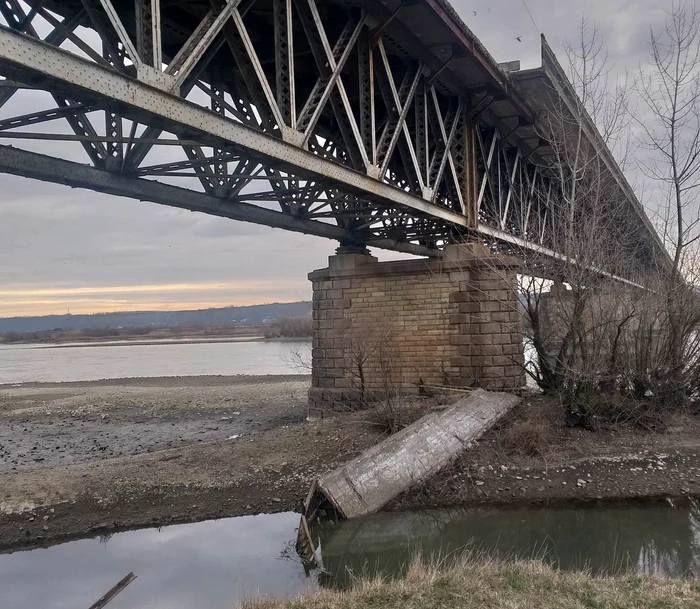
(250, 315)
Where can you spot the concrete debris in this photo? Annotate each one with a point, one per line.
(369, 482)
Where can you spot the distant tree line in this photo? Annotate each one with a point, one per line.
(290, 327)
(88, 334)
(214, 317)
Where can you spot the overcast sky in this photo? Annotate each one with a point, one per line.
(73, 250)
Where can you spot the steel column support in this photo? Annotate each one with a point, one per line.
(365, 70)
(156, 42)
(217, 105)
(421, 131)
(148, 33)
(284, 61)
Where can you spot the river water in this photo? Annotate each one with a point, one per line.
(216, 564)
(89, 362)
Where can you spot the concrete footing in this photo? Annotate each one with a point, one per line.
(413, 325)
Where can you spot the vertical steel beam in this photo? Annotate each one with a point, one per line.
(218, 106)
(156, 42)
(532, 186)
(469, 175)
(148, 33)
(365, 70)
(113, 130)
(142, 12)
(421, 131)
(284, 61)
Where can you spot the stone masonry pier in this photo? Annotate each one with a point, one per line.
(399, 327)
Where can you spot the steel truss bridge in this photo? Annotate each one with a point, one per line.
(371, 122)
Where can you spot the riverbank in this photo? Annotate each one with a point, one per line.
(484, 584)
(93, 457)
(132, 335)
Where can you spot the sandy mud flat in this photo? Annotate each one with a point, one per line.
(79, 459)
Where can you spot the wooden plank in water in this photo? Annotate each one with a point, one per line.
(113, 591)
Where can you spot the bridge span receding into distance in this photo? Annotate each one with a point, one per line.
(381, 123)
(377, 122)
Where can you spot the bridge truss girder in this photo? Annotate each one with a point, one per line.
(332, 130)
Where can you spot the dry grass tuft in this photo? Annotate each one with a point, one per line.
(487, 584)
(526, 437)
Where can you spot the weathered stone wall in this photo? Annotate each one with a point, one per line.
(612, 315)
(392, 326)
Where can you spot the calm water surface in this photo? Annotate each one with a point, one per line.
(217, 564)
(42, 363)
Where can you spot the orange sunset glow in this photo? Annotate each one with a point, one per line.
(25, 301)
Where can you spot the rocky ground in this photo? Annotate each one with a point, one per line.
(50, 424)
(89, 458)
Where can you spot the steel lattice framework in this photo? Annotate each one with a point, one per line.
(374, 122)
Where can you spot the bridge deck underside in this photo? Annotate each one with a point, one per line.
(377, 122)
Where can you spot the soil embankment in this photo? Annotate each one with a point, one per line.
(89, 458)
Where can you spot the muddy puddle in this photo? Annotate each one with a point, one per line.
(216, 564)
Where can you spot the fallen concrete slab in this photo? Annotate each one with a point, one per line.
(369, 482)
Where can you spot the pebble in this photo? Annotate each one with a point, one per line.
(479, 483)
(276, 500)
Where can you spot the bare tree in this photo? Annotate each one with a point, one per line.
(585, 223)
(669, 88)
